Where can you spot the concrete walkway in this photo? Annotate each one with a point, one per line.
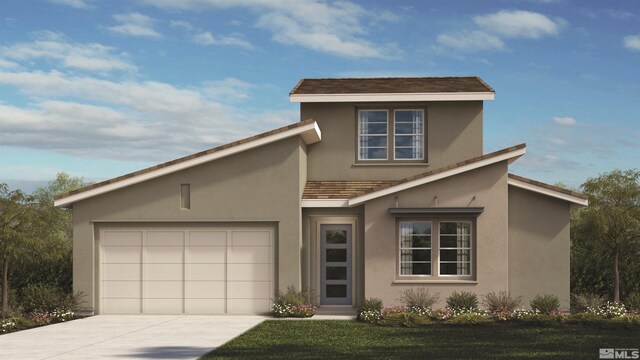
(127, 337)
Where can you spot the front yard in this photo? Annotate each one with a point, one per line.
(354, 340)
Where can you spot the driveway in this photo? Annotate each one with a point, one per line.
(127, 337)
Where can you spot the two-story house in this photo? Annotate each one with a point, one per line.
(382, 186)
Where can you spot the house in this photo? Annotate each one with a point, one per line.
(382, 186)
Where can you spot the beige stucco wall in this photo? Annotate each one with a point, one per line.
(454, 133)
(260, 185)
(538, 246)
(489, 186)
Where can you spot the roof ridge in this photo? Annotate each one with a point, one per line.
(548, 186)
(184, 158)
(393, 77)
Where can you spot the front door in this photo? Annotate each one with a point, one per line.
(335, 264)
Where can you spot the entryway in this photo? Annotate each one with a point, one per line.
(336, 264)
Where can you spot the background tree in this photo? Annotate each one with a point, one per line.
(606, 235)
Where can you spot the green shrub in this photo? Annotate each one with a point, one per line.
(463, 301)
(633, 302)
(294, 297)
(469, 319)
(584, 302)
(43, 297)
(501, 302)
(370, 310)
(419, 299)
(405, 319)
(546, 304)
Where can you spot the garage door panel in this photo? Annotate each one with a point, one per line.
(163, 306)
(122, 238)
(208, 238)
(164, 289)
(122, 289)
(249, 272)
(205, 306)
(205, 289)
(166, 272)
(249, 290)
(122, 306)
(250, 238)
(248, 306)
(165, 238)
(249, 255)
(206, 272)
(123, 272)
(122, 255)
(164, 255)
(206, 255)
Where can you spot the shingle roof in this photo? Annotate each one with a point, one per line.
(338, 189)
(547, 186)
(398, 85)
(185, 158)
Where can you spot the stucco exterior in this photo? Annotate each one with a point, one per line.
(261, 185)
(454, 133)
(489, 186)
(538, 246)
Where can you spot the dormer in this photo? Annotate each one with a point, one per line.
(387, 128)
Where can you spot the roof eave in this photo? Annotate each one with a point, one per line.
(391, 97)
(548, 192)
(310, 133)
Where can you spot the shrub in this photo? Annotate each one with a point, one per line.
(40, 317)
(397, 309)
(609, 309)
(469, 319)
(370, 310)
(43, 297)
(419, 299)
(405, 319)
(633, 302)
(630, 322)
(584, 302)
(502, 305)
(8, 325)
(545, 304)
(294, 303)
(463, 301)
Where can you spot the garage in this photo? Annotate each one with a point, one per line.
(197, 270)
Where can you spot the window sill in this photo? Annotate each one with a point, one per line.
(452, 281)
(389, 164)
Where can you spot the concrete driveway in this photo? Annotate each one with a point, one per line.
(127, 337)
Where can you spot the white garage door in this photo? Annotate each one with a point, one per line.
(192, 271)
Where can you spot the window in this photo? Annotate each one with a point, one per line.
(415, 248)
(408, 134)
(185, 196)
(372, 134)
(374, 138)
(448, 255)
(455, 248)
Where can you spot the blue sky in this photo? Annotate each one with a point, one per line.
(101, 88)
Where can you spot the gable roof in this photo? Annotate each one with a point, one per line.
(509, 154)
(339, 189)
(307, 129)
(549, 190)
(391, 89)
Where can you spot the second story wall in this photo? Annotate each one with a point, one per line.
(453, 134)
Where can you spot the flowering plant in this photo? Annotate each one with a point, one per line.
(610, 309)
(7, 325)
(288, 310)
(41, 317)
(397, 309)
(62, 315)
(370, 315)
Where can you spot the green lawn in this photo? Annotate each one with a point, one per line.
(352, 340)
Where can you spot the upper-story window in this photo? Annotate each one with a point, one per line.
(375, 140)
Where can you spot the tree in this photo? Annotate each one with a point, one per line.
(15, 226)
(607, 229)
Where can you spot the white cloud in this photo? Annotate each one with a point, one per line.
(470, 41)
(55, 46)
(181, 24)
(565, 121)
(6, 64)
(632, 42)
(518, 24)
(336, 28)
(128, 119)
(135, 24)
(78, 4)
(206, 38)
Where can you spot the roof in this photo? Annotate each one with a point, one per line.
(508, 154)
(392, 89)
(307, 129)
(338, 189)
(549, 190)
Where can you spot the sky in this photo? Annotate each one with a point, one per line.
(98, 88)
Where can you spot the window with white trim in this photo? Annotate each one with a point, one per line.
(408, 134)
(435, 248)
(415, 247)
(455, 248)
(372, 134)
